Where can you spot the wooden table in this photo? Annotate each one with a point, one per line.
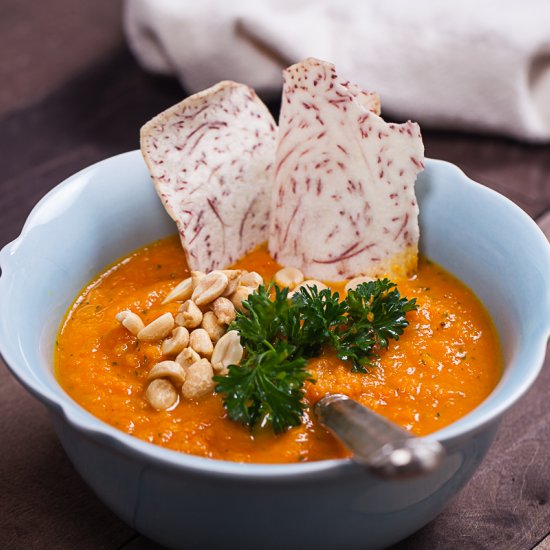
(71, 94)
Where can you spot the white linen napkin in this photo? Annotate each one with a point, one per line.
(475, 64)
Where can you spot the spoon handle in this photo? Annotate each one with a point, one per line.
(384, 448)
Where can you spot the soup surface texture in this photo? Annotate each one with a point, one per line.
(444, 365)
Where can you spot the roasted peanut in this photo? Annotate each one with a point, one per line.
(189, 315)
(176, 343)
(168, 369)
(198, 381)
(187, 357)
(233, 276)
(200, 341)
(289, 277)
(209, 288)
(130, 321)
(224, 310)
(181, 292)
(251, 280)
(157, 329)
(239, 295)
(356, 281)
(161, 394)
(212, 325)
(228, 351)
(196, 276)
(310, 282)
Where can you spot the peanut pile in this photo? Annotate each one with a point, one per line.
(195, 342)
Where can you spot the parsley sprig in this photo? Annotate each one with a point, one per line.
(280, 334)
(376, 312)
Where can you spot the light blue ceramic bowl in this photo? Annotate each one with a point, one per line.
(111, 208)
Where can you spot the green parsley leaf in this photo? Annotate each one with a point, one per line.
(378, 306)
(267, 389)
(376, 313)
(280, 334)
(320, 313)
(266, 320)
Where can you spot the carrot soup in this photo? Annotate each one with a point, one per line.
(445, 363)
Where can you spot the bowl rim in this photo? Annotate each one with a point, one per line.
(85, 422)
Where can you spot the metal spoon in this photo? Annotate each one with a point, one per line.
(386, 449)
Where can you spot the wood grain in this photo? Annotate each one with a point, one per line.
(97, 113)
(43, 44)
(518, 170)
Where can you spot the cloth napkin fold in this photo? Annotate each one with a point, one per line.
(481, 65)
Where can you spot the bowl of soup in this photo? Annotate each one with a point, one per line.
(215, 493)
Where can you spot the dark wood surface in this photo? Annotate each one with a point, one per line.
(77, 108)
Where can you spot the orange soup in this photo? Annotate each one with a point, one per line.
(444, 365)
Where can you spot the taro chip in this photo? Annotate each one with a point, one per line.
(211, 160)
(343, 202)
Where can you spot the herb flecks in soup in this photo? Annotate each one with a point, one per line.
(446, 362)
